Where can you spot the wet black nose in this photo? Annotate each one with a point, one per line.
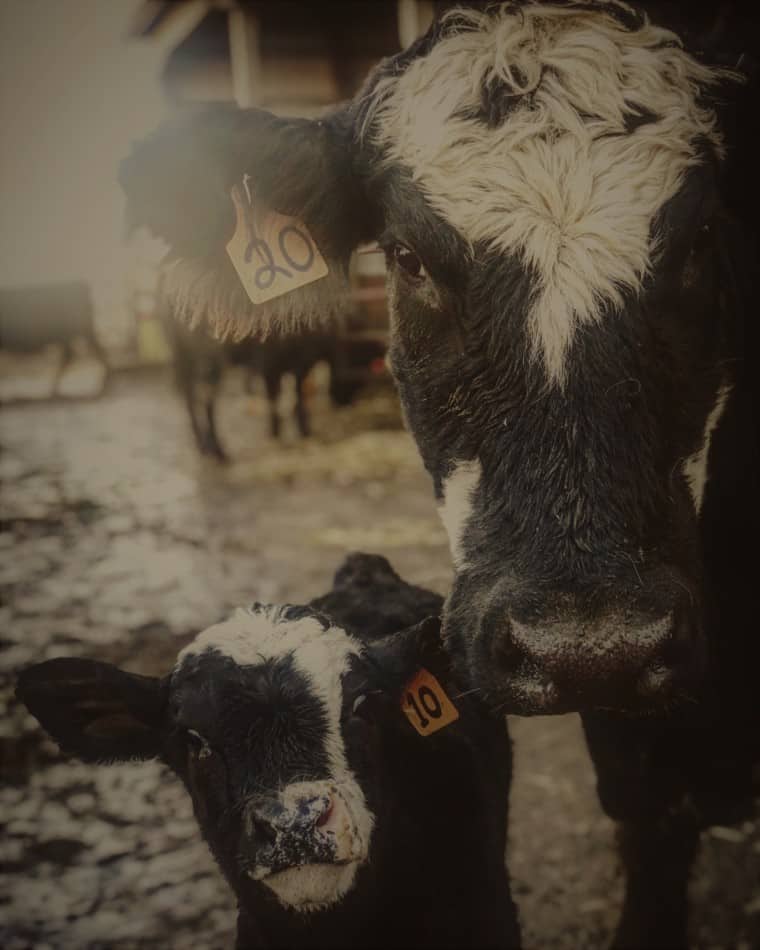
(616, 658)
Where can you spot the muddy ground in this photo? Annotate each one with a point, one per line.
(120, 543)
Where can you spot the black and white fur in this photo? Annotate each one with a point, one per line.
(334, 822)
(568, 202)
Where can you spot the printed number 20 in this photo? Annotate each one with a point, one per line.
(428, 701)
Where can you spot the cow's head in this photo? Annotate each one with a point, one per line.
(544, 181)
(288, 734)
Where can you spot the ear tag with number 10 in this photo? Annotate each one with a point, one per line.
(426, 704)
(272, 253)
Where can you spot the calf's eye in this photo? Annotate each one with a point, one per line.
(408, 261)
(367, 706)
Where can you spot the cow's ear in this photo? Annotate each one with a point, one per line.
(95, 711)
(220, 173)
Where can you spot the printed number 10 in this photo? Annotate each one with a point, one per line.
(429, 703)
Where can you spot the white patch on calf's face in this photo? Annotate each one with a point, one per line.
(456, 507)
(695, 467)
(311, 887)
(559, 182)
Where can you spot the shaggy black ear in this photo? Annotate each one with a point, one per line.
(405, 653)
(179, 182)
(426, 646)
(95, 711)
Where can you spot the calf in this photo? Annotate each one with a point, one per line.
(337, 820)
(49, 314)
(567, 197)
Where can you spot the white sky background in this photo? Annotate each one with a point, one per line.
(75, 92)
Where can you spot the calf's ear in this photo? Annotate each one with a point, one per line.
(405, 653)
(179, 182)
(95, 711)
(426, 646)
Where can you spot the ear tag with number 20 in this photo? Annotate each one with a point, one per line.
(426, 705)
(272, 253)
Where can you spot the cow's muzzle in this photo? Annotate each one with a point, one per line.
(572, 656)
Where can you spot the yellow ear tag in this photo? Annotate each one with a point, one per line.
(272, 253)
(426, 705)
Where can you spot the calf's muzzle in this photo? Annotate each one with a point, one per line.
(303, 825)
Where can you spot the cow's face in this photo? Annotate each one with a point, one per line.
(543, 182)
(550, 212)
(286, 732)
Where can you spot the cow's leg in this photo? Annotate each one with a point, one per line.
(97, 348)
(302, 412)
(66, 354)
(212, 444)
(644, 788)
(273, 380)
(657, 854)
(187, 387)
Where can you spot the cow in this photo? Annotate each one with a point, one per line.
(41, 315)
(200, 361)
(335, 822)
(567, 202)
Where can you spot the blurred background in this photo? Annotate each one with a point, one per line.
(152, 479)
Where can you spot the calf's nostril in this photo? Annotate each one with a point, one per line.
(326, 815)
(263, 831)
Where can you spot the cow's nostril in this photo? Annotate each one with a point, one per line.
(504, 651)
(506, 657)
(654, 682)
(674, 660)
(676, 651)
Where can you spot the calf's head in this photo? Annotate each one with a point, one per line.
(545, 183)
(281, 726)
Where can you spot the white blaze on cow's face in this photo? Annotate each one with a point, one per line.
(600, 125)
(456, 505)
(695, 467)
(320, 653)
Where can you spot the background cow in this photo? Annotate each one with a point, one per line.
(335, 823)
(569, 211)
(200, 360)
(41, 315)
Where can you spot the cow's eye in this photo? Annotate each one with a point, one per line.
(198, 746)
(408, 261)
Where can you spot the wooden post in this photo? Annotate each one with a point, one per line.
(245, 57)
(414, 18)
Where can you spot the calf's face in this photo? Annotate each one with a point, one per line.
(276, 721)
(543, 181)
(257, 705)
